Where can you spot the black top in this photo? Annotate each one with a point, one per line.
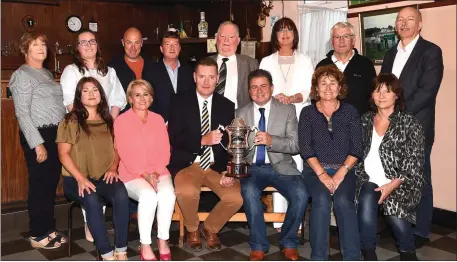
(330, 148)
(359, 75)
(184, 130)
(126, 74)
(421, 79)
(164, 88)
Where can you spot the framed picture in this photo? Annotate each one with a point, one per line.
(378, 33)
(361, 3)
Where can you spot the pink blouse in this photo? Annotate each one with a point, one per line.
(142, 148)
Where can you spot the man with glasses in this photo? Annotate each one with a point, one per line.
(233, 68)
(132, 65)
(358, 70)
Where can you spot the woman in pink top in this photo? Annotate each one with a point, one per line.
(141, 139)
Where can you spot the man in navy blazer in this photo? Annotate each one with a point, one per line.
(418, 64)
(198, 158)
(169, 75)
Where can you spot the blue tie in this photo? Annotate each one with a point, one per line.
(260, 159)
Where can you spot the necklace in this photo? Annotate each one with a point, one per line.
(329, 118)
(287, 74)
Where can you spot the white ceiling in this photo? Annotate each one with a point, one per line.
(328, 4)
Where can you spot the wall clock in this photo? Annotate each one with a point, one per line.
(29, 23)
(74, 24)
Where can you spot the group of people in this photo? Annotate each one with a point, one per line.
(145, 131)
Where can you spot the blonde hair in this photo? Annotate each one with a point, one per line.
(140, 82)
(342, 25)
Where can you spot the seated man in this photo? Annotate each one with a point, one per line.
(272, 165)
(197, 158)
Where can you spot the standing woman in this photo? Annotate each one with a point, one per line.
(330, 140)
(391, 173)
(144, 149)
(86, 150)
(39, 109)
(292, 72)
(88, 61)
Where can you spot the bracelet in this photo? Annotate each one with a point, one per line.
(321, 173)
(295, 100)
(347, 167)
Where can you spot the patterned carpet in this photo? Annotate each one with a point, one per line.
(234, 237)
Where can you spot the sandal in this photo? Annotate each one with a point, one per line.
(120, 255)
(109, 258)
(56, 234)
(52, 243)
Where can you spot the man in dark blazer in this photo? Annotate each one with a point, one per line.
(233, 81)
(418, 64)
(132, 65)
(197, 157)
(358, 70)
(273, 166)
(169, 75)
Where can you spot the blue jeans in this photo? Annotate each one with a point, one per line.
(292, 187)
(344, 206)
(424, 211)
(368, 213)
(114, 194)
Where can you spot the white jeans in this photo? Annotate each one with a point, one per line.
(279, 202)
(148, 200)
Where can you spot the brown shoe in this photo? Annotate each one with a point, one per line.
(212, 241)
(193, 240)
(256, 255)
(291, 253)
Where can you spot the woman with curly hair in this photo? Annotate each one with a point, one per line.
(86, 151)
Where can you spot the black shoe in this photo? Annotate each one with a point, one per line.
(369, 255)
(408, 256)
(421, 241)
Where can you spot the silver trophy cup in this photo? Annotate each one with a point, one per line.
(238, 147)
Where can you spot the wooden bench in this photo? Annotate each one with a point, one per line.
(238, 217)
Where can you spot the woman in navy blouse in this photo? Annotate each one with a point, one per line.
(330, 139)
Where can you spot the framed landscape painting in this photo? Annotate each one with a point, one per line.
(378, 33)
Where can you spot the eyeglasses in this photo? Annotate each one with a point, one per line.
(345, 37)
(87, 43)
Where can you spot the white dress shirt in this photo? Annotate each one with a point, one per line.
(208, 106)
(256, 120)
(115, 94)
(340, 64)
(402, 56)
(231, 81)
(373, 164)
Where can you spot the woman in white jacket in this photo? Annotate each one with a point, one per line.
(291, 72)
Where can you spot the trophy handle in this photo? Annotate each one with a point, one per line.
(254, 128)
(222, 128)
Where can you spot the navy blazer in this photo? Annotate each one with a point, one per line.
(163, 87)
(184, 130)
(421, 79)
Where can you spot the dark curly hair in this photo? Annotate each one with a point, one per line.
(284, 22)
(102, 68)
(391, 82)
(327, 71)
(79, 112)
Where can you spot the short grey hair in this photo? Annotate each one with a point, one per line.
(342, 25)
(228, 23)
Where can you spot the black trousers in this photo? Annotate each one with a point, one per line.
(43, 180)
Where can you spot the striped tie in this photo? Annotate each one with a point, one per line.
(220, 88)
(204, 159)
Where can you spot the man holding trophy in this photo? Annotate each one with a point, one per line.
(271, 164)
(198, 157)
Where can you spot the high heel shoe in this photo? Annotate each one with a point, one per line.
(164, 257)
(144, 259)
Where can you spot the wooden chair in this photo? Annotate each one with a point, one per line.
(238, 217)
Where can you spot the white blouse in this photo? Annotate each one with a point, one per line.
(373, 164)
(114, 92)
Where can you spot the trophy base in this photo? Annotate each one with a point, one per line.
(237, 170)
